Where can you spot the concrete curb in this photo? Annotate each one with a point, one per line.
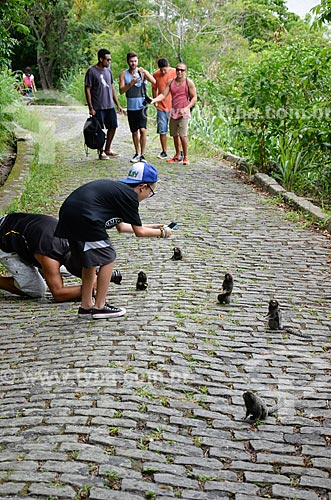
(269, 185)
(14, 185)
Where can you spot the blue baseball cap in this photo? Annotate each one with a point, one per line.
(141, 172)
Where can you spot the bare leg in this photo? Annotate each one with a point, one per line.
(142, 140)
(110, 137)
(7, 283)
(177, 145)
(88, 282)
(135, 139)
(184, 142)
(104, 277)
(163, 140)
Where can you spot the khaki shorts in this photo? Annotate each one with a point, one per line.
(179, 126)
(26, 277)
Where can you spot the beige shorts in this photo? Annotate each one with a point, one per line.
(179, 126)
(26, 277)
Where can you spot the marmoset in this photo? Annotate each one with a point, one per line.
(274, 318)
(177, 254)
(256, 407)
(227, 287)
(141, 281)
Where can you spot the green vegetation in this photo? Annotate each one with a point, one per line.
(263, 75)
(9, 103)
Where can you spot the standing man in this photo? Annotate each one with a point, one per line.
(162, 76)
(100, 96)
(133, 84)
(88, 212)
(184, 96)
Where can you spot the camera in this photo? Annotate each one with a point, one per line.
(147, 100)
(116, 277)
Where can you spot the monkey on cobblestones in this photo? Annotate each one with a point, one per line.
(256, 407)
(227, 287)
(177, 254)
(142, 281)
(274, 317)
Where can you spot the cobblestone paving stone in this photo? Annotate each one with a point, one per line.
(150, 405)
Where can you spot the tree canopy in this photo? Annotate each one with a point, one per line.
(57, 35)
(263, 74)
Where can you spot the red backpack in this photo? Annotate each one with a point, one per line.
(27, 81)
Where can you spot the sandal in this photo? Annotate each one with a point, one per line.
(175, 159)
(112, 153)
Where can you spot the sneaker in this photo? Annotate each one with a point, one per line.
(175, 159)
(142, 158)
(103, 156)
(163, 155)
(186, 161)
(85, 313)
(135, 158)
(108, 311)
(64, 272)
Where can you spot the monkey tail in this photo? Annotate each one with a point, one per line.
(273, 410)
(298, 334)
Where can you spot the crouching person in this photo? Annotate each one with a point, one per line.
(33, 256)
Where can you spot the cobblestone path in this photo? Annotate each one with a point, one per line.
(149, 406)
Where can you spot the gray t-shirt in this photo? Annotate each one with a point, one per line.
(101, 82)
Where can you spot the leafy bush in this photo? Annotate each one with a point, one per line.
(9, 104)
(72, 84)
(275, 111)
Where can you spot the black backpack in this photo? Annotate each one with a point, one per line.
(94, 136)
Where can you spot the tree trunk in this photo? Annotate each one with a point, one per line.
(45, 72)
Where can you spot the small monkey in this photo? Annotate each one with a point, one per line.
(256, 407)
(142, 281)
(274, 315)
(177, 254)
(274, 318)
(227, 287)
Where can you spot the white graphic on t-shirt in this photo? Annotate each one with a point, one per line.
(112, 222)
(103, 81)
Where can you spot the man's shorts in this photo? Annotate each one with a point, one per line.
(26, 277)
(179, 126)
(162, 118)
(107, 118)
(92, 253)
(137, 119)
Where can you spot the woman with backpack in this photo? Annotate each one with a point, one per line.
(29, 86)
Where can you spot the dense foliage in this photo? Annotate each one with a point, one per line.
(279, 106)
(9, 104)
(263, 74)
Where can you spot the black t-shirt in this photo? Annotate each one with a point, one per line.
(95, 206)
(28, 234)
